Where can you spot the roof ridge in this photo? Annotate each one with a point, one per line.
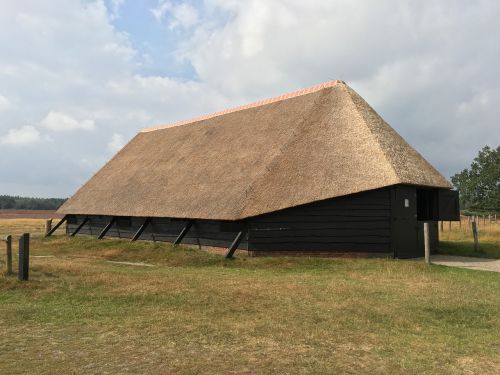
(250, 190)
(372, 133)
(259, 103)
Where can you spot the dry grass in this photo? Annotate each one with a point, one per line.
(195, 312)
(456, 238)
(16, 227)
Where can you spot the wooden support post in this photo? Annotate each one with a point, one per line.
(235, 244)
(79, 227)
(106, 228)
(141, 229)
(8, 243)
(183, 232)
(48, 226)
(474, 233)
(427, 243)
(49, 233)
(24, 257)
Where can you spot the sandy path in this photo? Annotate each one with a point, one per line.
(483, 264)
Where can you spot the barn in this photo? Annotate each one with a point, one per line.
(315, 172)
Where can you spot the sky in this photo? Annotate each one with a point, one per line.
(79, 78)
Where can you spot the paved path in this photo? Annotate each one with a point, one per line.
(483, 264)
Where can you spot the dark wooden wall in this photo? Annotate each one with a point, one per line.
(355, 223)
(203, 232)
(359, 223)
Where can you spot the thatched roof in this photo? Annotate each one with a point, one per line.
(315, 144)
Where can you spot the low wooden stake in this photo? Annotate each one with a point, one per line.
(48, 226)
(8, 242)
(474, 233)
(24, 257)
(427, 244)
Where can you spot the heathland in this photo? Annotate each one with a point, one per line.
(112, 306)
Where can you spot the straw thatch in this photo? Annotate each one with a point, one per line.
(315, 144)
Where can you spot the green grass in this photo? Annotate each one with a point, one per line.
(195, 312)
(457, 239)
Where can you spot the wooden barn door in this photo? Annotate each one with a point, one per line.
(404, 226)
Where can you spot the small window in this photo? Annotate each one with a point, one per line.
(407, 203)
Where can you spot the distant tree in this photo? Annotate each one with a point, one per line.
(479, 185)
(7, 202)
(22, 203)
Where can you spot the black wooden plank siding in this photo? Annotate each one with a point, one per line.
(363, 222)
(357, 223)
(203, 232)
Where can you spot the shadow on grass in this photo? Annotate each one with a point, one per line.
(466, 248)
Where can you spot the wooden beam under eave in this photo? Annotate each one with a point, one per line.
(106, 228)
(183, 232)
(237, 240)
(56, 226)
(79, 227)
(141, 229)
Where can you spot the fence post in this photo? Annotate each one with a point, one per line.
(442, 226)
(474, 233)
(24, 256)
(427, 243)
(48, 226)
(8, 242)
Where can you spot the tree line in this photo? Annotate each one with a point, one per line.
(28, 203)
(479, 185)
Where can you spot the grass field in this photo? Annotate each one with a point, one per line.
(194, 312)
(456, 238)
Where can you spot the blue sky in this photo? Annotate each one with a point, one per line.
(79, 78)
(155, 42)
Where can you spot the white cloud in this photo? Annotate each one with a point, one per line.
(161, 9)
(181, 15)
(418, 63)
(58, 121)
(116, 143)
(5, 104)
(429, 68)
(22, 136)
(115, 8)
(184, 16)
